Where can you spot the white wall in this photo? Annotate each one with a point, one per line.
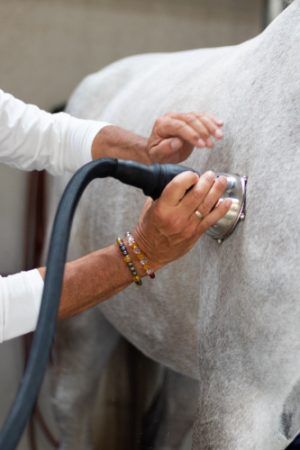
(47, 46)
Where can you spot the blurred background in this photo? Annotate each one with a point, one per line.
(48, 46)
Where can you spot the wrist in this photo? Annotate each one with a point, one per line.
(115, 142)
(141, 258)
(147, 250)
(136, 260)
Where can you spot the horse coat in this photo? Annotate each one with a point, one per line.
(226, 315)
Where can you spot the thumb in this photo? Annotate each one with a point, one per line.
(167, 150)
(175, 144)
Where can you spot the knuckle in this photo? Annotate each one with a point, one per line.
(179, 223)
(162, 120)
(167, 221)
(176, 183)
(205, 207)
(206, 186)
(191, 179)
(200, 115)
(209, 175)
(191, 117)
(197, 195)
(174, 123)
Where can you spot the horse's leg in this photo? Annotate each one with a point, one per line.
(180, 408)
(82, 348)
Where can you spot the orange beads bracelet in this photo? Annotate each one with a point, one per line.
(128, 261)
(143, 260)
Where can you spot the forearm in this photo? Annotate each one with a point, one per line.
(115, 142)
(92, 279)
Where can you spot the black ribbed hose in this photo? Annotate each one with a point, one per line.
(152, 179)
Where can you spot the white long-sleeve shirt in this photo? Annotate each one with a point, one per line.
(34, 139)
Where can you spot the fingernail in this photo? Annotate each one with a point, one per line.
(221, 122)
(219, 134)
(200, 143)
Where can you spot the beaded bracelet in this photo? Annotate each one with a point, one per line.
(128, 261)
(140, 256)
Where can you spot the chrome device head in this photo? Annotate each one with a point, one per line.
(236, 191)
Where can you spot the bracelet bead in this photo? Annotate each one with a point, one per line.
(144, 262)
(128, 261)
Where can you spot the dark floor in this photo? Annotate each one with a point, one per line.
(295, 445)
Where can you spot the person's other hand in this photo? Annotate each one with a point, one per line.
(169, 227)
(174, 136)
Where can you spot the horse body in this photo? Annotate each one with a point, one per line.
(226, 315)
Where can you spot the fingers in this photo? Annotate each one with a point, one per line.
(205, 194)
(168, 126)
(215, 215)
(212, 126)
(206, 127)
(193, 192)
(195, 128)
(175, 135)
(195, 196)
(177, 188)
(202, 197)
(212, 196)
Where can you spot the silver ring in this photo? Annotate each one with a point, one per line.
(199, 214)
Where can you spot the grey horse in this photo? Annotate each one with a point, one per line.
(225, 315)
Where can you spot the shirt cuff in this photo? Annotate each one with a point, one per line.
(81, 136)
(22, 301)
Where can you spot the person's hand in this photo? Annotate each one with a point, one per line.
(172, 139)
(174, 136)
(169, 227)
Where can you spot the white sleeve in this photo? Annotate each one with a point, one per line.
(20, 300)
(34, 139)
